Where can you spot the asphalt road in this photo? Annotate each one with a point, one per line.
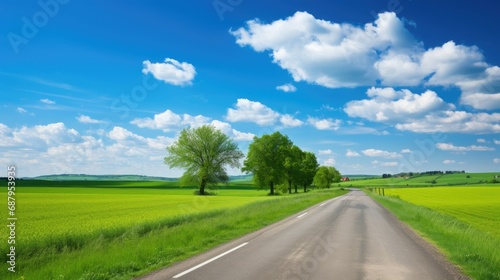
(350, 237)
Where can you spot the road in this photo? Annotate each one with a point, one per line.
(349, 237)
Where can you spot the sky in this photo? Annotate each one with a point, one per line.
(371, 87)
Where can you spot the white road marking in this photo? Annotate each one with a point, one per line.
(301, 215)
(209, 261)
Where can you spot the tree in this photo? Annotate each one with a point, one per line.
(293, 163)
(308, 169)
(325, 176)
(266, 159)
(204, 152)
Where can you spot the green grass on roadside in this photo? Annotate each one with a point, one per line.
(142, 245)
(475, 251)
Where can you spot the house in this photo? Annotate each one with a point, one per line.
(345, 179)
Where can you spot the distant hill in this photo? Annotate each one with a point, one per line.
(86, 177)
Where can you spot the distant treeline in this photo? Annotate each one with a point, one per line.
(426, 173)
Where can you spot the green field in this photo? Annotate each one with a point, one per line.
(478, 205)
(425, 180)
(463, 221)
(64, 228)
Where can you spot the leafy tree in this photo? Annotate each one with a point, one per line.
(204, 152)
(266, 159)
(293, 163)
(308, 169)
(325, 176)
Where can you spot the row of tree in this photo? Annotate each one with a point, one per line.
(273, 160)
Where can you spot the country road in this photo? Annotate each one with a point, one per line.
(349, 237)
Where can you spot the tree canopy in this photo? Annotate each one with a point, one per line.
(325, 176)
(266, 159)
(308, 169)
(203, 152)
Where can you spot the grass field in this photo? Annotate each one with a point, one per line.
(478, 206)
(463, 221)
(425, 180)
(113, 230)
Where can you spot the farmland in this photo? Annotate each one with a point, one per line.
(478, 206)
(461, 220)
(426, 180)
(65, 228)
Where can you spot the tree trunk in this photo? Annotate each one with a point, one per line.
(271, 185)
(305, 187)
(296, 188)
(202, 187)
(289, 186)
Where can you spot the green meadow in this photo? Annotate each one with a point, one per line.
(463, 221)
(456, 179)
(121, 229)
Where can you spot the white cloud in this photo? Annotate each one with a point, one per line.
(406, 151)
(389, 105)
(252, 111)
(325, 152)
(169, 120)
(324, 124)
(481, 140)
(337, 55)
(47, 101)
(21, 110)
(329, 162)
(350, 153)
(87, 119)
(380, 153)
(287, 88)
(171, 71)
(453, 148)
(496, 160)
(325, 53)
(227, 129)
(425, 113)
(448, 161)
(497, 142)
(289, 121)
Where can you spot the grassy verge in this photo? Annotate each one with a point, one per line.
(477, 253)
(143, 249)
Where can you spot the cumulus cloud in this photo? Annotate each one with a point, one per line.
(423, 113)
(389, 105)
(337, 55)
(406, 151)
(448, 161)
(88, 120)
(287, 88)
(227, 129)
(170, 71)
(496, 142)
(453, 148)
(329, 162)
(481, 140)
(350, 153)
(496, 160)
(380, 153)
(289, 121)
(324, 124)
(252, 111)
(169, 120)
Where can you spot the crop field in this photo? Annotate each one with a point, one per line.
(461, 220)
(426, 180)
(65, 223)
(478, 206)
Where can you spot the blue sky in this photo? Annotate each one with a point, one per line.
(371, 87)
